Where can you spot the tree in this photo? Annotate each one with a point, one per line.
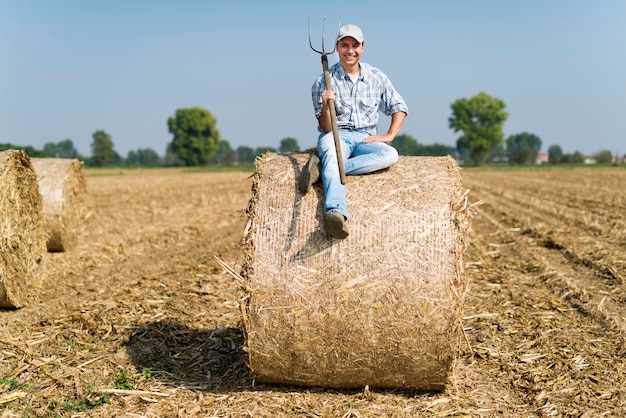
(196, 136)
(435, 150)
(143, 157)
(555, 154)
(604, 157)
(148, 156)
(245, 155)
(62, 149)
(172, 159)
(289, 145)
(65, 149)
(29, 150)
(480, 118)
(405, 144)
(116, 159)
(50, 149)
(131, 158)
(523, 148)
(224, 154)
(102, 149)
(576, 158)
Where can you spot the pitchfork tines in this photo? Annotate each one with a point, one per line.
(322, 51)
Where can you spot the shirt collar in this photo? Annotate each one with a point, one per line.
(341, 73)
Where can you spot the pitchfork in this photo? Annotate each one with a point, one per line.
(331, 103)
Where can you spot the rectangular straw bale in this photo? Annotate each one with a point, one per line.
(22, 233)
(63, 188)
(381, 308)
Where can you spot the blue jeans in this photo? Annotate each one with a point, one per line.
(358, 158)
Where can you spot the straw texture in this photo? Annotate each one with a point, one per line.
(381, 308)
(22, 234)
(63, 189)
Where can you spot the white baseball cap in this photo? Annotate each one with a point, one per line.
(352, 31)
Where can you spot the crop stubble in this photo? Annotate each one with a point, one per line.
(138, 319)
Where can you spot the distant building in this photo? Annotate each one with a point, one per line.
(542, 158)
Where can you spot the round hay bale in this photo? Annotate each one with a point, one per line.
(381, 308)
(63, 189)
(22, 233)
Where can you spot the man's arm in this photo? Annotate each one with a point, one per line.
(397, 119)
(324, 120)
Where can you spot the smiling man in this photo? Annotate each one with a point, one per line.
(359, 92)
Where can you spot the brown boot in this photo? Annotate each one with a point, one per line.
(310, 174)
(335, 224)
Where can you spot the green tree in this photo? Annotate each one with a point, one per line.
(245, 155)
(172, 159)
(131, 158)
(143, 157)
(523, 148)
(435, 150)
(480, 118)
(196, 136)
(289, 145)
(65, 149)
(405, 144)
(148, 156)
(576, 158)
(498, 155)
(604, 157)
(225, 154)
(62, 149)
(29, 150)
(50, 149)
(116, 159)
(33, 152)
(555, 154)
(102, 149)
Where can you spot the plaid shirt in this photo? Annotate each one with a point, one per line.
(358, 102)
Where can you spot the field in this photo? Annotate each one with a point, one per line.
(139, 320)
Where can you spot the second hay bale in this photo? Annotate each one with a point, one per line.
(22, 233)
(381, 308)
(63, 188)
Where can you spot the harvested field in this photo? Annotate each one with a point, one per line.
(138, 320)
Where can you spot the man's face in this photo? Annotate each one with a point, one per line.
(349, 50)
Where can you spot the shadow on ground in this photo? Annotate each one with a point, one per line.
(211, 360)
(204, 359)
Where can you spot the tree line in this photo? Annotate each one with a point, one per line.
(196, 141)
(480, 120)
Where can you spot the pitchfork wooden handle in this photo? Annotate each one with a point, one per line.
(333, 121)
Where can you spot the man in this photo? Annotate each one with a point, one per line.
(359, 92)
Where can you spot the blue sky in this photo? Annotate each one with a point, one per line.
(70, 68)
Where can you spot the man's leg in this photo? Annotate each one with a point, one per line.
(335, 205)
(371, 156)
(334, 191)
